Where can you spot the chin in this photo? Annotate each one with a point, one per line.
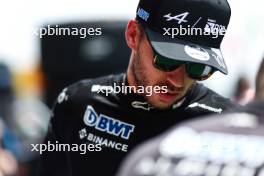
(161, 106)
(159, 103)
(155, 102)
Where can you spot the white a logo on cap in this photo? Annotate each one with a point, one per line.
(180, 18)
(197, 52)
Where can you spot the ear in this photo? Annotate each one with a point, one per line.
(133, 34)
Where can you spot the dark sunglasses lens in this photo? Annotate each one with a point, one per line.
(166, 64)
(199, 71)
(195, 70)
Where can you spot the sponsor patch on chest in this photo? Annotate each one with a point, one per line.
(107, 124)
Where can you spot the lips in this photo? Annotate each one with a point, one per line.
(168, 97)
(172, 93)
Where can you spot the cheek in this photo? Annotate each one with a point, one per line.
(147, 63)
(189, 82)
(154, 75)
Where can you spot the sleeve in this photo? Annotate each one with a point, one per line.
(52, 162)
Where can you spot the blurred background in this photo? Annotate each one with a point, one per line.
(33, 70)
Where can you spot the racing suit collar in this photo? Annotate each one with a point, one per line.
(139, 102)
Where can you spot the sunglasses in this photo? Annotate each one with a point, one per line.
(195, 71)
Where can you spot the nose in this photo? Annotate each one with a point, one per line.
(176, 77)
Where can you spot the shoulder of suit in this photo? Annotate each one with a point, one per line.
(208, 100)
(85, 89)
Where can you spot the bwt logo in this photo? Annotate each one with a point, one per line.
(107, 124)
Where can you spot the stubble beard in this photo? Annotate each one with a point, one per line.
(141, 79)
(140, 76)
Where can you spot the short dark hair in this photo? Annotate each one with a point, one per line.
(260, 81)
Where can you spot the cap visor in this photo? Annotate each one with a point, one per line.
(182, 50)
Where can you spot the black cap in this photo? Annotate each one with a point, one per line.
(206, 20)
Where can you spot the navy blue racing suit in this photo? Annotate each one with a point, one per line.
(117, 121)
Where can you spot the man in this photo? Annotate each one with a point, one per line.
(91, 112)
(230, 144)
